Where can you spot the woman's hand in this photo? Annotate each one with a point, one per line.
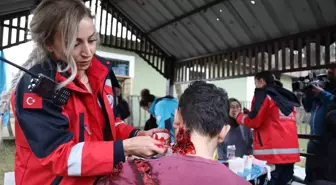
(151, 132)
(144, 146)
(316, 89)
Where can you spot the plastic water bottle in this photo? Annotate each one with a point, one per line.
(215, 155)
(231, 152)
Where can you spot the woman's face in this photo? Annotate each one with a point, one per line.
(85, 46)
(234, 109)
(259, 83)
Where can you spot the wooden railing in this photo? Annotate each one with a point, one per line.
(9, 134)
(310, 137)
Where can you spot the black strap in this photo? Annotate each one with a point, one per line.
(57, 180)
(114, 80)
(116, 114)
(107, 130)
(114, 83)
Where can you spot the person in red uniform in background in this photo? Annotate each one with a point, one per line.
(272, 117)
(82, 140)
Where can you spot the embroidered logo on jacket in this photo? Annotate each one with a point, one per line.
(289, 117)
(110, 100)
(32, 101)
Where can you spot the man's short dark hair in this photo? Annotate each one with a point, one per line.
(204, 108)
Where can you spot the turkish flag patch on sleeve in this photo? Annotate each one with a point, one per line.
(32, 101)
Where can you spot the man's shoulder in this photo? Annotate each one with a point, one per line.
(183, 162)
(202, 170)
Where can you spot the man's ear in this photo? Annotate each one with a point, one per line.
(178, 119)
(223, 133)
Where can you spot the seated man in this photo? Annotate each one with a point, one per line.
(200, 124)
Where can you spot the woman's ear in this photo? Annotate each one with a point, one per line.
(223, 133)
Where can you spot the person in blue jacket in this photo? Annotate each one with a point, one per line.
(316, 101)
(163, 109)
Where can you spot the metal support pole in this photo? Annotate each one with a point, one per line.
(277, 75)
(170, 71)
(170, 88)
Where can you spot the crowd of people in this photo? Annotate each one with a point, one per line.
(85, 140)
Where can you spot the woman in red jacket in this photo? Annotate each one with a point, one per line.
(82, 139)
(272, 117)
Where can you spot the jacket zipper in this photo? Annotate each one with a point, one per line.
(81, 127)
(107, 131)
(259, 139)
(313, 123)
(57, 180)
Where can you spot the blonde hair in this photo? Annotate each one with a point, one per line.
(62, 16)
(50, 17)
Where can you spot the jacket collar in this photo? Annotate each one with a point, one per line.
(97, 73)
(152, 107)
